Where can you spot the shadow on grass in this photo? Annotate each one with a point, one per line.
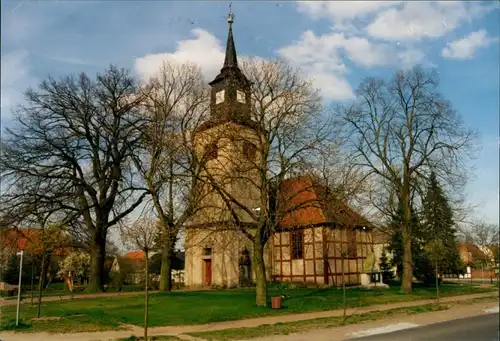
(151, 338)
(11, 325)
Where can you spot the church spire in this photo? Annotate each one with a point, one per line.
(230, 93)
(231, 59)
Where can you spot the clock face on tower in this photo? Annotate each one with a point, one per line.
(240, 96)
(219, 97)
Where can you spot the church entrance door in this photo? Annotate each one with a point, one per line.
(208, 272)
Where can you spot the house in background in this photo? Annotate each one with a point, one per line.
(480, 262)
(132, 264)
(470, 253)
(30, 240)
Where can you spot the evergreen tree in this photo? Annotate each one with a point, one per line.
(386, 267)
(434, 244)
(423, 269)
(396, 244)
(439, 228)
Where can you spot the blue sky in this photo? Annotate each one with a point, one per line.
(336, 43)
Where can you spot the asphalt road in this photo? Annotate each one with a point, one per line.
(477, 328)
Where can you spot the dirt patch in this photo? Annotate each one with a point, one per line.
(47, 318)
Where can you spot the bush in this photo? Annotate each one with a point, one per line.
(117, 279)
(424, 269)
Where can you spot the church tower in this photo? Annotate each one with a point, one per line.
(229, 141)
(229, 144)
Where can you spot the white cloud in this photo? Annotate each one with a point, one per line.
(205, 50)
(332, 86)
(416, 20)
(319, 58)
(367, 54)
(358, 29)
(340, 11)
(411, 57)
(466, 47)
(15, 79)
(323, 58)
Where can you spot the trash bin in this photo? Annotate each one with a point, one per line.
(276, 302)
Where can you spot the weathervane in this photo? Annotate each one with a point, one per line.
(230, 16)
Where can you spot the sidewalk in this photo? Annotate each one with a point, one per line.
(4, 302)
(254, 322)
(424, 319)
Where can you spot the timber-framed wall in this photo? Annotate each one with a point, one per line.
(325, 249)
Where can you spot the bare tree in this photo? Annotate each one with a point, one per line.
(167, 161)
(288, 131)
(142, 234)
(400, 131)
(71, 150)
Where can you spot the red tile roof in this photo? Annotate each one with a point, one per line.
(135, 255)
(307, 202)
(475, 253)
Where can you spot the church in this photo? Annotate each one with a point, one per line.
(325, 243)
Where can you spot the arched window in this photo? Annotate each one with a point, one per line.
(249, 150)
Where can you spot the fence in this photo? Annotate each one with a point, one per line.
(478, 273)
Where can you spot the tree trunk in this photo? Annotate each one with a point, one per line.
(406, 281)
(146, 299)
(97, 255)
(166, 268)
(437, 280)
(344, 292)
(32, 278)
(260, 273)
(46, 283)
(40, 286)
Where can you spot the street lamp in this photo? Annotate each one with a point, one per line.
(19, 286)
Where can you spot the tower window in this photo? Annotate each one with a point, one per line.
(212, 151)
(249, 150)
(297, 244)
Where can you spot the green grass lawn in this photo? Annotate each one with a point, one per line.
(187, 308)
